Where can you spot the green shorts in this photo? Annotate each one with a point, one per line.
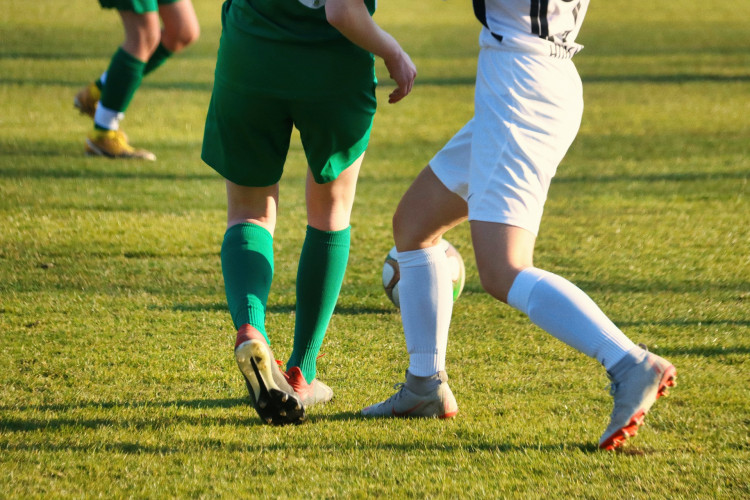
(263, 88)
(137, 6)
(247, 134)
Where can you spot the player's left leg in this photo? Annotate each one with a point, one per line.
(322, 265)
(504, 262)
(247, 266)
(335, 132)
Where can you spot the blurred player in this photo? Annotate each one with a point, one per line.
(147, 45)
(496, 172)
(292, 63)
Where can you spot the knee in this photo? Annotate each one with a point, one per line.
(498, 280)
(409, 234)
(179, 38)
(142, 43)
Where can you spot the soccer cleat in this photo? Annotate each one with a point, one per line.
(87, 99)
(272, 396)
(316, 392)
(418, 397)
(634, 394)
(114, 144)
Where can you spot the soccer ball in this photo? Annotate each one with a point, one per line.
(391, 274)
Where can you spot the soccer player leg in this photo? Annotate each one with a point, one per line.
(322, 265)
(426, 298)
(247, 266)
(335, 132)
(506, 210)
(124, 75)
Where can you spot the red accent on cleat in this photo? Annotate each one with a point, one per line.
(248, 332)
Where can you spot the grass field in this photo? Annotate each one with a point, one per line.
(116, 373)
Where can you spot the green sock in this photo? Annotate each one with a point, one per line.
(319, 277)
(124, 76)
(160, 55)
(247, 265)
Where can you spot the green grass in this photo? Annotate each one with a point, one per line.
(116, 373)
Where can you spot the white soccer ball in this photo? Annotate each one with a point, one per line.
(391, 274)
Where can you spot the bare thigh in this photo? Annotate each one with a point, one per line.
(181, 26)
(142, 33)
(426, 211)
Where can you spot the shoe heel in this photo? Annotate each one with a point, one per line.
(244, 355)
(259, 353)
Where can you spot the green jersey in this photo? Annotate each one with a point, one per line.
(285, 48)
(290, 20)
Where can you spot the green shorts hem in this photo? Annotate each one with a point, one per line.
(137, 6)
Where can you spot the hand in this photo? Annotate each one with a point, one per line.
(403, 71)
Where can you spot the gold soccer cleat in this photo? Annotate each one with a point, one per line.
(87, 98)
(114, 144)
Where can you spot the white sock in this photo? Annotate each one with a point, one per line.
(107, 118)
(563, 310)
(426, 297)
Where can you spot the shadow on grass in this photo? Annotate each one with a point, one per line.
(296, 447)
(150, 422)
(106, 171)
(205, 86)
(701, 351)
(649, 178)
(275, 308)
(108, 405)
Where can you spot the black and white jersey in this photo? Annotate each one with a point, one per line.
(539, 26)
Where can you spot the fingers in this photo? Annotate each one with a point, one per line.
(404, 75)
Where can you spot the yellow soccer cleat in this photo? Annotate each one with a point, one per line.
(114, 144)
(87, 98)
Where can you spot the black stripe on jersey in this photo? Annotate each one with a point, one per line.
(538, 13)
(480, 11)
(534, 13)
(544, 32)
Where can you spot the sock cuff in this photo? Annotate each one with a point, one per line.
(421, 257)
(340, 237)
(246, 231)
(127, 58)
(520, 290)
(107, 119)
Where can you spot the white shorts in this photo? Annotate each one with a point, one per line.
(527, 111)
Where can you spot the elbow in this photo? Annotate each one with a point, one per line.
(337, 13)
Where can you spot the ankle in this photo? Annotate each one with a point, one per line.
(425, 385)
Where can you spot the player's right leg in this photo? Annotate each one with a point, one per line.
(426, 298)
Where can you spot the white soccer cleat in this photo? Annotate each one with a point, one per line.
(314, 393)
(634, 394)
(418, 397)
(272, 396)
